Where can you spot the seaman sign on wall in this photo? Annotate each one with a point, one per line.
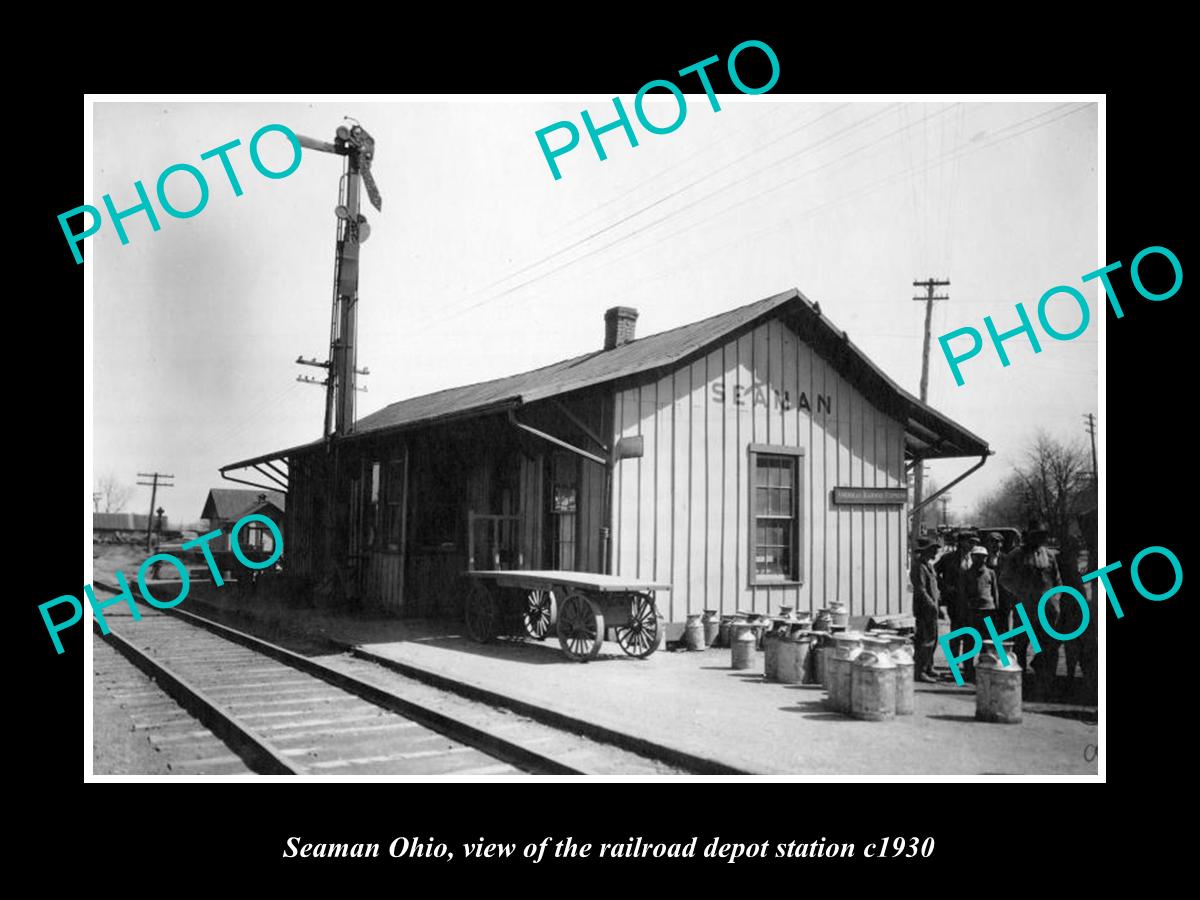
(762, 394)
(864, 496)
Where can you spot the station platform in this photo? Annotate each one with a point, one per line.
(694, 703)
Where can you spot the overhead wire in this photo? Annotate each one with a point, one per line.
(772, 190)
(807, 148)
(963, 151)
(657, 176)
(627, 217)
(854, 126)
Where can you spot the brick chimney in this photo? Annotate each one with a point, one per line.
(619, 323)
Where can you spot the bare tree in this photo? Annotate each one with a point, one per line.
(113, 494)
(1003, 506)
(1052, 483)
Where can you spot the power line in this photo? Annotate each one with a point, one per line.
(663, 199)
(871, 187)
(657, 176)
(850, 128)
(675, 212)
(772, 190)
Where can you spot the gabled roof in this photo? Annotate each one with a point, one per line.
(657, 351)
(233, 503)
(929, 433)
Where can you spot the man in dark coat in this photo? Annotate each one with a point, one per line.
(1033, 570)
(1070, 612)
(926, 600)
(950, 569)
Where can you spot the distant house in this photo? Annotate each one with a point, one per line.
(225, 506)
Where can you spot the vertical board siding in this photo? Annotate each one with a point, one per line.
(681, 511)
(681, 522)
(664, 394)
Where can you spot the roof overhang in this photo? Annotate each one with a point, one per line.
(928, 434)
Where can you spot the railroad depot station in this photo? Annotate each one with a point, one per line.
(752, 460)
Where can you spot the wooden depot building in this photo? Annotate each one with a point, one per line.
(753, 459)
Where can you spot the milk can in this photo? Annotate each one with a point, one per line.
(839, 615)
(712, 627)
(661, 642)
(846, 646)
(761, 626)
(742, 645)
(723, 632)
(997, 686)
(986, 659)
(821, 654)
(823, 620)
(795, 654)
(693, 632)
(900, 649)
(873, 691)
(771, 644)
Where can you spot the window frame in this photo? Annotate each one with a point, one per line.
(374, 470)
(795, 455)
(392, 501)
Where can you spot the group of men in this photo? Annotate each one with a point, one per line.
(980, 579)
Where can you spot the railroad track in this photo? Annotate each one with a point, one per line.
(284, 713)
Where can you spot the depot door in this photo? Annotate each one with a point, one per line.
(563, 494)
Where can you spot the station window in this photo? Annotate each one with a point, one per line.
(777, 490)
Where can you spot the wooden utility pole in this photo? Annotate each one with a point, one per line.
(1091, 429)
(929, 284)
(945, 501)
(154, 486)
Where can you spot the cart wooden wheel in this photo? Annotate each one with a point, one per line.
(580, 627)
(639, 636)
(482, 611)
(539, 612)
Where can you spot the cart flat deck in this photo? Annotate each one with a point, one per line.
(588, 581)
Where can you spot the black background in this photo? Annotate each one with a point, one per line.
(222, 832)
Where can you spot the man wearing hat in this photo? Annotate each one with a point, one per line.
(925, 609)
(1034, 571)
(950, 571)
(980, 596)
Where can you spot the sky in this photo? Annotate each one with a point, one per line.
(481, 264)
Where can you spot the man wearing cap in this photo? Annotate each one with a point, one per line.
(1034, 571)
(998, 563)
(980, 595)
(925, 609)
(950, 571)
